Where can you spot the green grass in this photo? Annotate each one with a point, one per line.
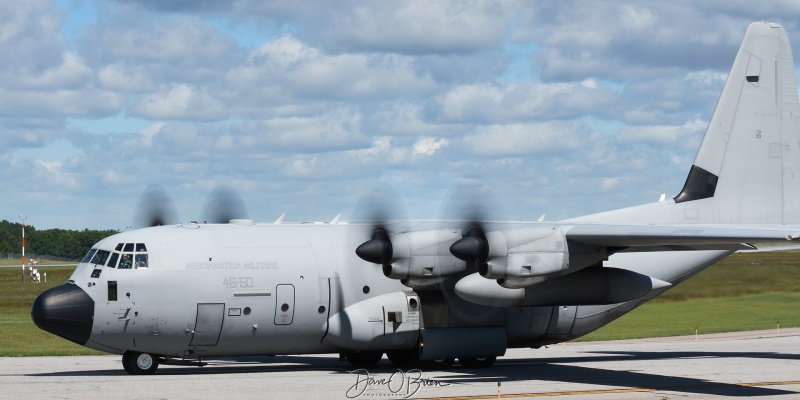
(708, 315)
(746, 291)
(743, 292)
(742, 274)
(18, 262)
(18, 335)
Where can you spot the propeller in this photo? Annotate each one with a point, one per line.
(222, 205)
(473, 247)
(469, 203)
(377, 250)
(379, 208)
(155, 207)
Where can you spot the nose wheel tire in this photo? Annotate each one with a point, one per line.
(477, 362)
(136, 363)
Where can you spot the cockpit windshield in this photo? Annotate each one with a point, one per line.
(125, 256)
(88, 256)
(100, 257)
(112, 261)
(126, 262)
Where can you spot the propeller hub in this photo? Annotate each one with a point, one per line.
(377, 250)
(473, 247)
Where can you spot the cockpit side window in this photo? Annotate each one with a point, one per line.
(141, 260)
(119, 246)
(100, 257)
(112, 261)
(89, 256)
(126, 262)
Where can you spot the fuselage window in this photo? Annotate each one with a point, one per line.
(100, 257)
(129, 247)
(119, 246)
(140, 248)
(141, 261)
(89, 256)
(126, 262)
(112, 261)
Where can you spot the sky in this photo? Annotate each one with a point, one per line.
(558, 108)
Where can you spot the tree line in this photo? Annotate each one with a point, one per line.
(65, 243)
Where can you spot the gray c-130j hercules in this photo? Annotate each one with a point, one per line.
(430, 292)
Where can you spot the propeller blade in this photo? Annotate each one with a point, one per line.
(467, 206)
(155, 207)
(222, 205)
(379, 208)
(470, 199)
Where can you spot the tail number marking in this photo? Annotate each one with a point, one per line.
(232, 282)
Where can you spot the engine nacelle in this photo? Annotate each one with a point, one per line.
(423, 255)
(525, 257)
(423, 266)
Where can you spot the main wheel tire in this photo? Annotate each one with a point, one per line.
(477, 362)
(136, 363)
(364, 358)
(126, 361)
(441, 364)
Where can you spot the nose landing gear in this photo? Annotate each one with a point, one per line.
(136, 363)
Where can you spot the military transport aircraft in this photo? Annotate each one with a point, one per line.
(428, 292)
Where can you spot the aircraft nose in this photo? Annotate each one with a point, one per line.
(65, 310)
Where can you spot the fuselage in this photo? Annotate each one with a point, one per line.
(192, 291)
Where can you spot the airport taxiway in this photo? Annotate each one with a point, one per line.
(760, 363)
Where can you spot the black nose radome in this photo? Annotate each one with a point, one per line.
(65, 310)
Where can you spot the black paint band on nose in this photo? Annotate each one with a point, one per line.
(65, 310)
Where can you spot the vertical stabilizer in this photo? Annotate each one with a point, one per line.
(747, 170)
(749, 161)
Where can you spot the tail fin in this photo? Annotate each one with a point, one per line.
(747, 170)
(748, 167)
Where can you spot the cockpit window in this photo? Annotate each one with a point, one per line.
(126, 262)
(112, 261)
(100, 257)
(141, 261)
(89, 256)
(117, 259)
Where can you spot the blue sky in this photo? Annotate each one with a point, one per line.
(560, 108)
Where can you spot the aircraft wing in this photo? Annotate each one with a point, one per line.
(640, 238)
